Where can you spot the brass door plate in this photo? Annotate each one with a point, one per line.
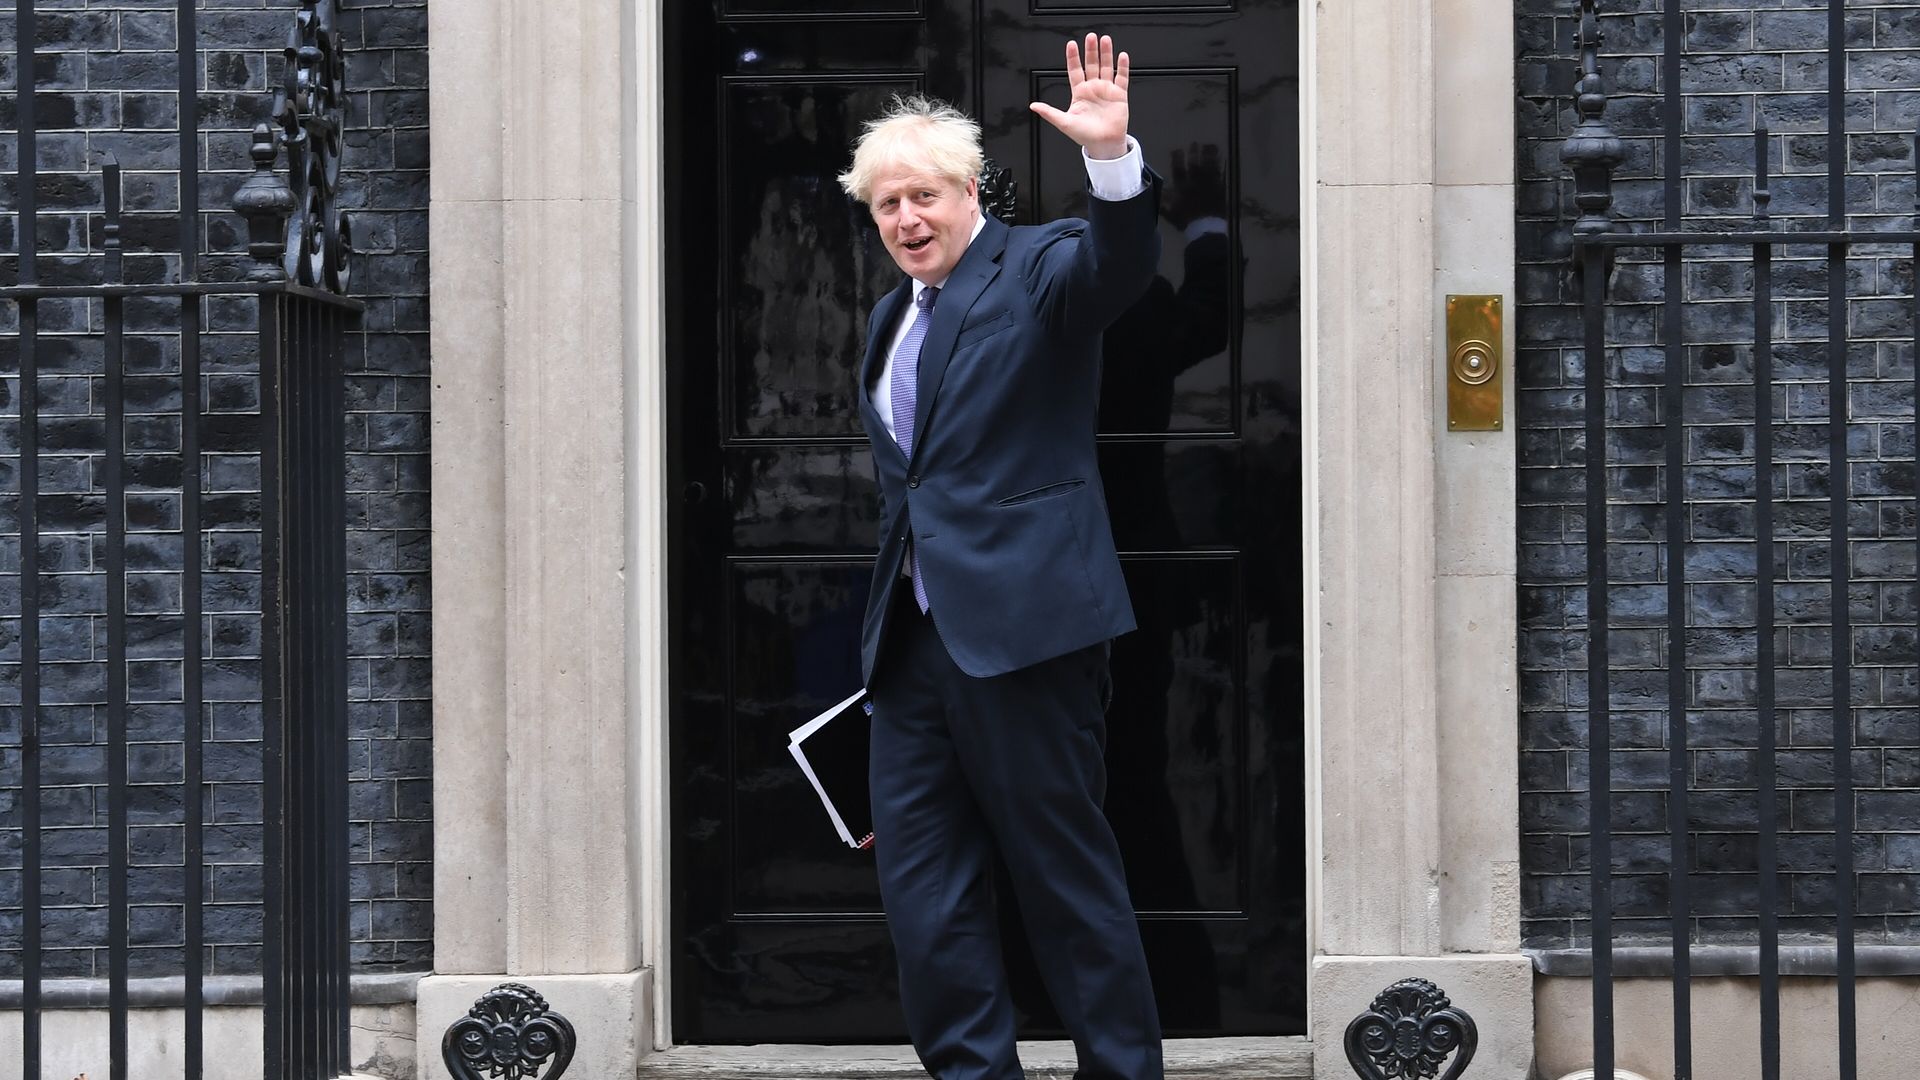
(1473, 363)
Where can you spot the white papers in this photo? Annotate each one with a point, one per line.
(800, 734)
(843, 761)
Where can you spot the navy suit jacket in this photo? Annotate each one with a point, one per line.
(1002, 499)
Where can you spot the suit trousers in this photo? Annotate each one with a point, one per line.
(963, 768)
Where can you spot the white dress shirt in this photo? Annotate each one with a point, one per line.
(1115, 180)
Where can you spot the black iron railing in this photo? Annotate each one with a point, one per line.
(294, 278)
(1593, 153)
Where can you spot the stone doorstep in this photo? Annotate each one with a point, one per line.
(1289, 1058)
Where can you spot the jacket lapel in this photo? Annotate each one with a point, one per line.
(975, 271)
(886, 316)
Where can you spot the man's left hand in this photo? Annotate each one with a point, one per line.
(1097, 116)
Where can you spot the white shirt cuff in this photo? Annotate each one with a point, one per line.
(1119, 179)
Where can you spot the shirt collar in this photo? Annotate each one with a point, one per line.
(979, 223)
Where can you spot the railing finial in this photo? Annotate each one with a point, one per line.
(1593, 151)
(265, 201)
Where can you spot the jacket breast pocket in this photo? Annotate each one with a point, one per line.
(985, 329)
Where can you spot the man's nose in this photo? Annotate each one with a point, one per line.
(908, 217)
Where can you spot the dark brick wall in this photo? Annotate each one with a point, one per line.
(1743, 60)
(106, 76)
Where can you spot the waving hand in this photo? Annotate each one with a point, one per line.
(1097, 116)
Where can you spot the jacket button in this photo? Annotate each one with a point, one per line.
(913, 481)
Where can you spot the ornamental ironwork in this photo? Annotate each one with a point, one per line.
(509, 1034)
(1593, 151)
(999, 194)
(310, 108)
(1409, 1033)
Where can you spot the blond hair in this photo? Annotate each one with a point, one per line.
(924, 134)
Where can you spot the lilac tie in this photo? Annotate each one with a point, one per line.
(904, 385)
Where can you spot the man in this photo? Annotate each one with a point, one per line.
(998, 589)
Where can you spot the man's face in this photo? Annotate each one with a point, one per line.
(925, 220)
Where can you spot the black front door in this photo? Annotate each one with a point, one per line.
(778, 932)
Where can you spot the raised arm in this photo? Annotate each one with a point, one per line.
(1088, 273)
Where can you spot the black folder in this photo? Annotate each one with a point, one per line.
(831, 750)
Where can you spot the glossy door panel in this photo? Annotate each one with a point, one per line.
(1173, 494)
(1176, 737)
(798, 980)
(778, 931)
(793, 624)
(804, 264)
(809, 497)
(1101, 12)
(824, 10)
